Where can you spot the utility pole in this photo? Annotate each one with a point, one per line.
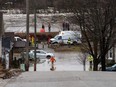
(1, 32)
(35, 39)
(27, 35)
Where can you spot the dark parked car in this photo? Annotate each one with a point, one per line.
(112, 68)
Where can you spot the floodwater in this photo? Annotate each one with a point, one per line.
(65, 61)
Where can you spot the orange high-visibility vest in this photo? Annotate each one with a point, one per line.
(52, 59)
(42, 30)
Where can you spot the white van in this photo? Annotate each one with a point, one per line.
(63, 37)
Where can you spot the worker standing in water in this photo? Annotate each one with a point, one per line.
(52, 60)
(69, 42)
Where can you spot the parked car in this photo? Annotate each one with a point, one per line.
(16, 38)
(41, 54)
(19, 42)
(111, 68)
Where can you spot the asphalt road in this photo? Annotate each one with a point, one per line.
(64, 79)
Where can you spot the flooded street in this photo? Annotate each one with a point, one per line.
(65, 61)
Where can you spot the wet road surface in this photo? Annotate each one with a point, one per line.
(65, 61)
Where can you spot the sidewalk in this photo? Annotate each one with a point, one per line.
(64, 79)
(3, 83)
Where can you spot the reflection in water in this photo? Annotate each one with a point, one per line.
(67, 57)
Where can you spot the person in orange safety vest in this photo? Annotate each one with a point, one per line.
(52, 60)
(42, 30)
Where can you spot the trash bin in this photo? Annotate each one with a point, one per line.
(22, 66)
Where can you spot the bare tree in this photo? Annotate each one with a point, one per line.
(96, 19)
(83, 59)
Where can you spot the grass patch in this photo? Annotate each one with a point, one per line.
(66, 48)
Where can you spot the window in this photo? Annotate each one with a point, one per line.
(19, 39)
(60, 38)
(111, 54)
(42, 52)
(37, 51)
